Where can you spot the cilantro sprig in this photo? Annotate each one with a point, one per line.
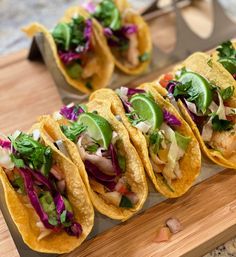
(73, 130)
(31, 153)
(227, 93)
(221, 125)
(226, 49)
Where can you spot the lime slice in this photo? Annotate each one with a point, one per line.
(98, 128)
(201, 87)
(147, 109)
(62, 32)
(229, 64)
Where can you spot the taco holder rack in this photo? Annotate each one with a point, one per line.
(187, 42)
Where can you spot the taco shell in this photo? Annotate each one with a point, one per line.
(25, 217)
(191, 162)
(105, 64)
(134, 169)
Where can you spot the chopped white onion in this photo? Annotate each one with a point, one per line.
(143, 126)
(115, 137)
(221, 109)
(99, 151)
(123, 92)
(118, 117)
(36, 134)
(192, 107)
(5, 159)
(207, 131)
(61, 147)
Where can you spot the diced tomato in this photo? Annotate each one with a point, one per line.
(163, 83)
(56, 229)
(168, 77)
(231, 118)
(121, 188)
(165, 80)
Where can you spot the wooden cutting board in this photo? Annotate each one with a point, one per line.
(207, 211)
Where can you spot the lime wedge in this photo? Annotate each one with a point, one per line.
(147, 109)
(229, 64)
(62, 32)
(201, 87)
(98, 128)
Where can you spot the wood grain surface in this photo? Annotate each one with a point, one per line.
(207, 211)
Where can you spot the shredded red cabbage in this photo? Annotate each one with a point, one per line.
(33, 197)
(107, 32)
(68, 57)
(170, 119)
(129, 29)
(89, 7)
(74, 230)
(71, 113)
(133, 91)
(127, 105)
(114, 158)
(5, 144)
(96, 173)
(42, 180)
(171, 86)
(88, 34)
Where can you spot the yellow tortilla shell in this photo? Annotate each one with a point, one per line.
(25, 217)
(213, 71)
(191, 162)
(101, 52)
(217, 75)
(144, 37)
(134, 169)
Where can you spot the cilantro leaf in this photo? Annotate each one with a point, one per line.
(18, 183)
(155, 140)
(221, 125)
(32, 153)
(19, 163)
(108, 14)
(73, 131)
(133, 118)
(227, 93)
(122, 162)
(226, 49)
(144, 57)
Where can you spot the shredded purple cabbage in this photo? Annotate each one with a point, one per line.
(74, 230)
(95, 172)
(5, 144)
(170, 119)
(129, 29)
(114, 158)
(68, 57)
(59, 202)
(107, 32)
(33, 197)
(42, 180)
(171, 86)
(127, 105)
(71, 113)
(88, 34)
(133, 91)
(89, 7)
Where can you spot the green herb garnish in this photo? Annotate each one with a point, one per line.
(73, 130)
(221, 125)
(144, 57)
(108, 14)
(227, 93)
(125, 202)
(226, 49)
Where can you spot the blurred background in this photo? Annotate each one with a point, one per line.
(16, 14)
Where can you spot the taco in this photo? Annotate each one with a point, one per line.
(225, 55)
(79, 51)
(165, 143)
(44, 193)
(100, 147)
(205, 95)
(127, 34)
